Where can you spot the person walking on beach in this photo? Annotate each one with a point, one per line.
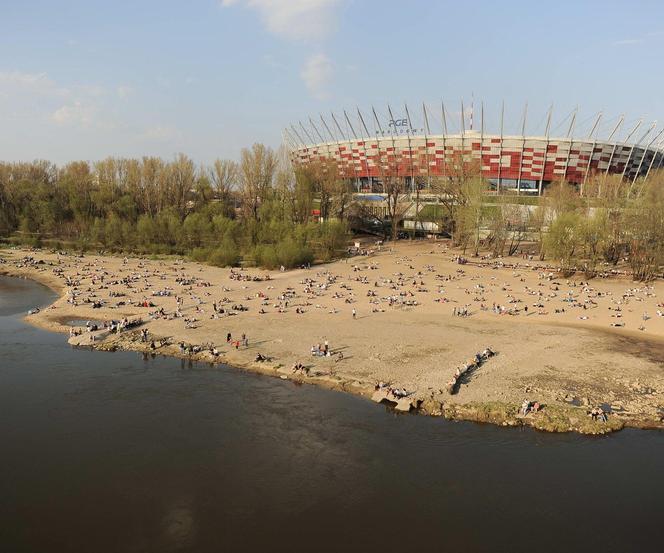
(354, 313)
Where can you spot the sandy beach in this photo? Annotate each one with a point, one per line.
(406, 316)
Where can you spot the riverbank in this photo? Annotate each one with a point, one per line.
(550, 348)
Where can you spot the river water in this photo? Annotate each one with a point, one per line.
(113, 452)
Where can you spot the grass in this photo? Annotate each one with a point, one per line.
(552, 418)
(563, 418)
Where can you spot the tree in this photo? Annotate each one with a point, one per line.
(508, 225)
(257, 169)
(224, 176)
(455, 191)
(645, 228)
(394, 188)
(563, 240)
(325, 177)
(560, 197)
(181, 181)
(470, 215)
(302, 198)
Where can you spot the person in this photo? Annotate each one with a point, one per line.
(354, 313)
(228, 338)
(597, 413)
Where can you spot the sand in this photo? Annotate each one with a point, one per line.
(566, 356)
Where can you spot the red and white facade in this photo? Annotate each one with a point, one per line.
(521, 162)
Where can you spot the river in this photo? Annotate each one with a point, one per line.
(115, 452)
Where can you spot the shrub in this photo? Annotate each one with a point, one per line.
(226, 255)
(291, 254)
(201, 254)
(265, 256)
(333, 237)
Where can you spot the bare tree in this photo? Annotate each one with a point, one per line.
(224, 176)
(257, 169)
(645, 224)
(455, 190)
(394, 188)
(182, 179)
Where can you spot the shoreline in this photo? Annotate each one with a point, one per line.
(555, 417)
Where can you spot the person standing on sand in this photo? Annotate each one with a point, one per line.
(354, 313)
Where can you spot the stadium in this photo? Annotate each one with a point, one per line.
(522, 162)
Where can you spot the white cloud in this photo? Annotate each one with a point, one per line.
(17, 82)
(317, 74)
(628, 42)
(37, 97)
(29, 79)
(74, 114)
(294, 19)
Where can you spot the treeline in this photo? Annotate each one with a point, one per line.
(264, 212)
(589, 228)
(258, 210)
(613, 221)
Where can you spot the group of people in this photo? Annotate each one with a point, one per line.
(396, 393)
(530, 407)
(241, 276)
(462, 311)
(321, 350)
(299, 367)
(598, 414)
(243, 341)
(472, 364)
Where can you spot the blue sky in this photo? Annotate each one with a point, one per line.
(85, 79)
